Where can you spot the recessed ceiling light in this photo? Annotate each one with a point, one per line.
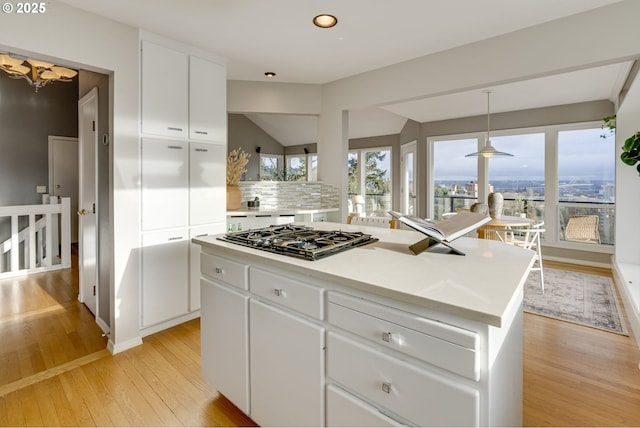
(325, 20)
(270, 74)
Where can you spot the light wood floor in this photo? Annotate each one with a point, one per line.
(55, 371)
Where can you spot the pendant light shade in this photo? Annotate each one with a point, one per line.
(488, 151)
(37, 73)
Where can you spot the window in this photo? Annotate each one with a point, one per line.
(296, 169)
(370, 176)
(455, 177)
(520, 178)
(557, 172)
(270, 167)
(586, 181)
(302, 167)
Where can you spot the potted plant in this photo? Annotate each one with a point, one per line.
(631, 151)
(237, 160)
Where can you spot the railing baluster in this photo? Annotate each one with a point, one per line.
(15, 244)
(65, 230)
(31, 248)
(48, 239)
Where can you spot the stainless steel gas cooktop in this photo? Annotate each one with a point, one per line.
(299, 241)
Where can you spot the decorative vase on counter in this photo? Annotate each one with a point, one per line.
(234, 197)
(496, 204)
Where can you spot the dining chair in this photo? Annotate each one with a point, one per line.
(528, 238)
(384, 222)
(582, 228)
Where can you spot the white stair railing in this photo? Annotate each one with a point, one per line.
(35, 247)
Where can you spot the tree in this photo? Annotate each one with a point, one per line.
(375, 178)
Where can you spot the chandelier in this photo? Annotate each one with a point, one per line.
(488, 151)
(37, 73)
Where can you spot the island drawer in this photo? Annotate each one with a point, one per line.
(225, 270)
(443, 345)
(287, 292)
(422, 397)
(345, 410)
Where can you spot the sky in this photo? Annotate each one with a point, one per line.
(583, 155)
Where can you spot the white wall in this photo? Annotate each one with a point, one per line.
(627, 181)
(285, 98)
(78, 39)
(627, 252)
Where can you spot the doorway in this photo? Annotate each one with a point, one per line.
(63, 174)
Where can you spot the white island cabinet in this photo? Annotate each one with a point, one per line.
(373, 336)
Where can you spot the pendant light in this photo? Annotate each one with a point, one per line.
(488, 151)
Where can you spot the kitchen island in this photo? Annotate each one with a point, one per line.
(372, 336)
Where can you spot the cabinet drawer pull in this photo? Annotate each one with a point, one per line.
(202, 132)
(175, 238)
(386, 387)
(386, 336)
(201, 235)
(173, 128)
(218, 270)
(174, 147)
(278, 292)
(202, 150)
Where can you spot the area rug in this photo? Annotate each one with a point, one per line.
(579, 298)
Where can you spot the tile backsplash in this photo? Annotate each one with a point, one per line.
(290, 194)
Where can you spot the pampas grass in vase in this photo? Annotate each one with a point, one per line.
(237, 161)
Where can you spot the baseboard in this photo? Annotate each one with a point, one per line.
(103, 326)
(115, 348)
(168, 324)
(576, 261)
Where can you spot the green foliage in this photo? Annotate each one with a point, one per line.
(375, 178)
(631, 151)
(610, 125)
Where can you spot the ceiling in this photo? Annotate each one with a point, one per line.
(256, 36)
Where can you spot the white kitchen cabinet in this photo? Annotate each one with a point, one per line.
(393, 350)
(165, 91)
(207, 101)
(225, 345)
(207, 183)
(165, 184)
(287, 368)
(194, 261)
(165, 279)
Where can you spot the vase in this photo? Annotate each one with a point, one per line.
(496, 203)
(234, 197)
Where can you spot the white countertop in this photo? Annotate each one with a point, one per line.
(484, 285)
(279, 211)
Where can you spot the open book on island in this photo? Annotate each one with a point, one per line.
(442, 231)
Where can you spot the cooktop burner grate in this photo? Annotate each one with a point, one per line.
(299, 241)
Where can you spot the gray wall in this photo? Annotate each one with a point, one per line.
(569, 113)
(243, 133)
(27, 119)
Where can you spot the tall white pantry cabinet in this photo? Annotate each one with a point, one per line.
(183, 177)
